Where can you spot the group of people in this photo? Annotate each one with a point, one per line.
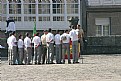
(44, 47)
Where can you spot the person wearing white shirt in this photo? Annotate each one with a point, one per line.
(10, 26)
(37, 49)
(65, 39)
(58, 47)
(74, 38)
(28, 49)
(50, 47)
(12, 42)
(21, 49)
(9, 49)
(44, 46)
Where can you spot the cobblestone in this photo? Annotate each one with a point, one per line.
(94, 68)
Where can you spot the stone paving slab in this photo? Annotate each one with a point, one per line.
(95, 68)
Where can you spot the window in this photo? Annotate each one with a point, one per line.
(72, 6)
(98, 30)
(105, 30)
(16, 18)
(3, 8)
(14, 7)
(58, 18)
(47, 1)
(29, 8)
(102, 30)
(58, 6)
(44, 8)
(29, 1)
(28, 18)
(3, 18)
(44, 18)
(102, 27)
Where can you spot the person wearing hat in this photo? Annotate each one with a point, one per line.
(44, 47)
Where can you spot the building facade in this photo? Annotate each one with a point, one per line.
(100, 19)
(103, 17)
(102, 26)
(97, 17)
(46, 13)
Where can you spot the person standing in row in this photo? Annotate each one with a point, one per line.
(50, 47)
(21, 49)
(80, 37)
(14, 48)
(58, 47)
(44, 47)
(65, 39)
(9, 49)
(12, 42)
(74, 38)
(28, 49)
(37, 49)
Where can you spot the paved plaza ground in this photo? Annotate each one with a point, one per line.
(94, 68)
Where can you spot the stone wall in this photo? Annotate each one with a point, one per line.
(115, 22)
(103, 45)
